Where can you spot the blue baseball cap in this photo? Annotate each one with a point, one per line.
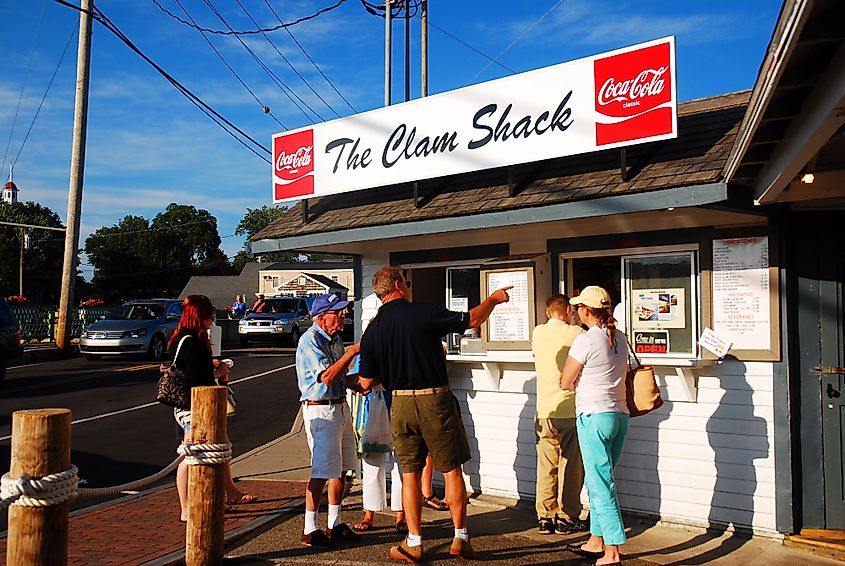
(328, 302)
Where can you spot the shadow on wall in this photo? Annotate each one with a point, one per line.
(737, 438)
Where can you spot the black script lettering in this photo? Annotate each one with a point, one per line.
(526, 126)
(354, 159)
(444, 143)
(490, 109)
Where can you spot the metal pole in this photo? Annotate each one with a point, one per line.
(20, 277)
(77, 171)
(388, 47)
(424, 46)
(407, 50)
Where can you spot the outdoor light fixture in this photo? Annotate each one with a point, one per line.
(808, 178)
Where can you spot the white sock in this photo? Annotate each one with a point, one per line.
(414, 540)
(462, 534)
(334, 515)
(310, 522)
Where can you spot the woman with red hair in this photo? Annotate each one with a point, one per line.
(190, 350)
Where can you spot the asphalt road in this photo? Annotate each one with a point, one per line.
(120, 433)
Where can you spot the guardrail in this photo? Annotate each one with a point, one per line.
(38, 322)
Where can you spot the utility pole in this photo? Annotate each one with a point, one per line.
(20, 276)
(407, 50)
(388, 46)
(77, 171)
(424, 46)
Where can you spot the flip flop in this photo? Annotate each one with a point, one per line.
(245, 498)
(581, 552)
(363, 526)
(433, 503)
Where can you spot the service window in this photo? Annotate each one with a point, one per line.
(654, 293)
(463, 292)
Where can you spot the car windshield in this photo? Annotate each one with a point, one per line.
(138, 312)
(282, 307)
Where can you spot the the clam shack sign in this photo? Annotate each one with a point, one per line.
(610, 100)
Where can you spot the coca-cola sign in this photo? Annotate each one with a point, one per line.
(293, 165)
(609, 100)
(634, 94)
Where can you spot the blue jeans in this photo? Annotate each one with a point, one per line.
(601, 436)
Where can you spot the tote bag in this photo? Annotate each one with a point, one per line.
(173, 389)
(372, 423)
(643, 395)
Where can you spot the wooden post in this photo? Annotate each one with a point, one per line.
(40, 446)
(206, 487)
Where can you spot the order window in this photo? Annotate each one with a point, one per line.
(654, 295)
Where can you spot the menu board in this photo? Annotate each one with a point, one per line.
(511, 321)
(741, 292)
(658, 308)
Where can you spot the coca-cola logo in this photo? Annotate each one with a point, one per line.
(631, 83)
(630, 92)
(634, 93)
(293, 165)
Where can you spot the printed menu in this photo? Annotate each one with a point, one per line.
(510, 321)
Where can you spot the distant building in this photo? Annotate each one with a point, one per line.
(10, 193)
(311, 285)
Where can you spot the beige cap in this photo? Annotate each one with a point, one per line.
(593, 296)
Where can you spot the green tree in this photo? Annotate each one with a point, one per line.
(141, 258)
(42, 262)
(255, 220)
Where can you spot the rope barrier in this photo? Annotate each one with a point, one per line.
(199, 454)
(46, 491)
(131, 486)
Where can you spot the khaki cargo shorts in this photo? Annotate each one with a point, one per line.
(428, 424)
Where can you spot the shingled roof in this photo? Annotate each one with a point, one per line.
(706, 131)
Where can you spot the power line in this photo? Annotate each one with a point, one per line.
(25, 79)
(290, 33)
(210, 44)
(464, 43)
(279, 82)
(518, 39)
(46, 92)
(248, 32)
(285, 59)
(215, 116)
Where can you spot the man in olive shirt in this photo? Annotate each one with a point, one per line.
(560, 473)
(401, 349)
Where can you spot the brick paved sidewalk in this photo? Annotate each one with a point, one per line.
(146, 528)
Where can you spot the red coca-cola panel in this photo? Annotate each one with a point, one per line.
(633, 92)
(293, 165)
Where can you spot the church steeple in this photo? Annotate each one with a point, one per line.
(10, 190)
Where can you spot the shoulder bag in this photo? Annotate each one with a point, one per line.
(641, 389)
(173, 387)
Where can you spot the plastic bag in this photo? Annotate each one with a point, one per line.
(372, 422)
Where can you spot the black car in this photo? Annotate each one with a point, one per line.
(10, 338)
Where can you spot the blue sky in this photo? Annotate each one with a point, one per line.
(148, 146)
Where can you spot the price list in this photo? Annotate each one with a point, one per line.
(510, 321)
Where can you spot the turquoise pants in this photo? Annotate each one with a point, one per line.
(601, 436)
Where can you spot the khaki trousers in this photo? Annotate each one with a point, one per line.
(560, 472)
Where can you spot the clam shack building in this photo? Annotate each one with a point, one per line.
(604, 179)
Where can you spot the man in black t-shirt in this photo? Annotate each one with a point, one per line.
(401, 349)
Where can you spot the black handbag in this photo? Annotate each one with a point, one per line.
(173, 389)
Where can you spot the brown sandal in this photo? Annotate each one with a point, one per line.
(364, 525)
(437, 504)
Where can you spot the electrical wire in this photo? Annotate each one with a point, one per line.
(464, 43)
(273, 76)
(301, 48)
(210, 44)
(46, 92)
(518, 39)
(249, 32)
(25, 79)
(285, 59)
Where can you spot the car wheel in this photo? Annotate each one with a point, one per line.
(294, 336)
(91, 356)
(157, 347)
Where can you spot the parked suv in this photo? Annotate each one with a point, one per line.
(283, 319)
(138, 327)
(10, 338)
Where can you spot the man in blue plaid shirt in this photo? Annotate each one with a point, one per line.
(321, 366)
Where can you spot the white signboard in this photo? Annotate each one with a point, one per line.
(510, 321)
(741, 309)
(610, 100)
(717, 344)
